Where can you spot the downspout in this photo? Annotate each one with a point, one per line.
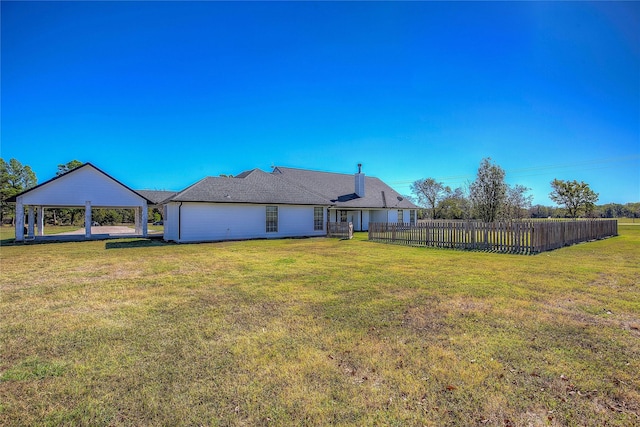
(180, 221)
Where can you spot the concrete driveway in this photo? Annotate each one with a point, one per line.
(103, 229)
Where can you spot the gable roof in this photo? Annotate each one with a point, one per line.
(13, 199)
(156, 197)
(340, 189)
(254, 186)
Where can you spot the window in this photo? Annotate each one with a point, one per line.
(400, 216)
(318, 218)
(412, 217)
(343, 216)
(272, 219)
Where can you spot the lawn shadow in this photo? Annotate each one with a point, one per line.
(138, 243)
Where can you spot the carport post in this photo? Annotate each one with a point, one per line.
(137, 219)
(145, 220)
(87, 218)
(31, 217)
(19, 220)
(40, 215)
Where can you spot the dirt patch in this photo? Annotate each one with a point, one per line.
(426, 317)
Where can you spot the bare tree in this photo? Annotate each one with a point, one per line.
(429, 193)
(517, 202)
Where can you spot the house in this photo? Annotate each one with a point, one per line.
(287, 202)
(84, 187)
(252, 205)
(358, 199)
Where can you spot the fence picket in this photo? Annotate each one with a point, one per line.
(523, 237)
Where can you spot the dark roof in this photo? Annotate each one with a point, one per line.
(156, 196)
(340, 189)
(254, 186)
(13, 199)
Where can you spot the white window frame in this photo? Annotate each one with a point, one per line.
(318, 218)
(271, 224)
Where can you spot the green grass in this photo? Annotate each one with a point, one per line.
(318, 332)
(627, 221)
(8, 233)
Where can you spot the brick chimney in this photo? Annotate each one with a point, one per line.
(359, 181)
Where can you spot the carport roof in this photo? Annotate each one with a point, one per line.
(13, 199)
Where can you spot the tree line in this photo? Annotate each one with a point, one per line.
(489, 198)
(16, 178)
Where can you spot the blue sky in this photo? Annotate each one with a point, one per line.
(161, 94)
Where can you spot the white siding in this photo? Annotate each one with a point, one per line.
(171, 222)
(218, 221)
(379, 216)
(80, 186)
(392, 215)
(365, 220)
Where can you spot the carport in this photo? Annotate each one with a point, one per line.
(84, 187)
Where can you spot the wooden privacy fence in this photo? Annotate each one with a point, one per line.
(342, 230)
(523, 237)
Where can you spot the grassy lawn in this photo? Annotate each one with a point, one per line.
(7, 233)
(317, 332)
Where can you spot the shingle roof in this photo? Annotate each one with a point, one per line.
(253, 186)
(156, 196)
(340, 189)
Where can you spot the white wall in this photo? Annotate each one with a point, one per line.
(171, 221)
(84, 184)
(219, 221)
(365, 220)
(379, 216)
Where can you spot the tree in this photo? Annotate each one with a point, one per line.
(429, 193)
(539, 211)
(517, 202)
(14, 179)
(488, 192)
(454, 205)
(575, 196)
(62, 169)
